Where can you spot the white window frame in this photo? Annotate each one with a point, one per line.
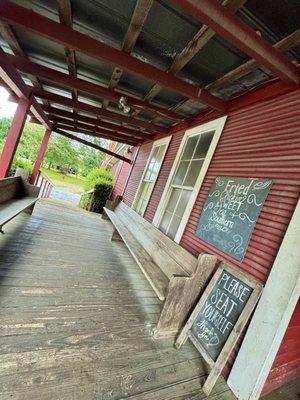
(157, 143)
(217, 126)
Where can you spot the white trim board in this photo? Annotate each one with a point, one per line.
(217, 126)
(165, 140)
(271, 318)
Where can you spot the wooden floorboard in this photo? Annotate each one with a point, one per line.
(76, 315)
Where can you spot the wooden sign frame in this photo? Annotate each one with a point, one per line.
(218, 365)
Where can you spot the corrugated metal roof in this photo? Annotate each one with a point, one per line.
(165, 33)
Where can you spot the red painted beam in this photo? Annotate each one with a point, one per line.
(95, 122)
(13, 137)
(78, 128)
(42, 26)
(99, 112)
(13, 80)
(228, 25)
(90, 144)
(29, 67)
(40, 156)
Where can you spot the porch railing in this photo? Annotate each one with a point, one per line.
(44, 184)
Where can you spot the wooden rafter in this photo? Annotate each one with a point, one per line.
(138, 19)
(13, 79)
(284, 45)
(40, 25)
(87, 130)
(57, 77)
(97, 122)
(240, 35)
(6, 31)
(200, 39)
(65, 17)
(99, 112)
(90, 144)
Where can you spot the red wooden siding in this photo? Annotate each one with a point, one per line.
(136, 173)
(263, 141)
(287, 363)
(121, 179)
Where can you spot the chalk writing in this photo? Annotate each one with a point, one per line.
(230, 213)
(220, 312)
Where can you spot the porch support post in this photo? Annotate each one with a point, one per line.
(13, 136)
(40, 156)
(271, 318)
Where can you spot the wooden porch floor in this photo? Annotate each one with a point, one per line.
(76, 314)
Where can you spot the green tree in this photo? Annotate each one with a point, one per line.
(61, 153)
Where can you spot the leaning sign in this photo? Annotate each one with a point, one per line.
(230, 212)
(219, 318)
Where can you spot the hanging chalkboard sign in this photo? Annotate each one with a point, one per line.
(219, 318)
(230, 213)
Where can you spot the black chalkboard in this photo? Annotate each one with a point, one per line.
(230, 213)
(220, 313)
(219, 318)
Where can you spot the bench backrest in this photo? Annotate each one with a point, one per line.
(171, 258)
(16, 188)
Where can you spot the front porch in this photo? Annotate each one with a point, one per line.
(76, 316)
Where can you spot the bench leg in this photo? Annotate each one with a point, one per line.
(116, 236)
(29, 210)
(1, 230)
(183, 293)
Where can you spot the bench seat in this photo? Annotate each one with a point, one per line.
(12, 208)
(16, 195)
(176, 276)
(157, 279)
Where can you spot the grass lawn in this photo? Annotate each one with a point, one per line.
(71, 183)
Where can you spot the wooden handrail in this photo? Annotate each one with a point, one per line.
(45, 184)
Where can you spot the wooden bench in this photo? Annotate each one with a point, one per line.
(16, 195)
(176, 276)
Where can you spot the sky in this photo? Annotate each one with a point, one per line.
(7, 108)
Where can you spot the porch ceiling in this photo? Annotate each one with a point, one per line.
(159, 34)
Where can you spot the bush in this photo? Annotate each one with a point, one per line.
(19, 163)
(96, 177)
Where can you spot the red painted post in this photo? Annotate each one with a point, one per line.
(40, 156)
(13, 137)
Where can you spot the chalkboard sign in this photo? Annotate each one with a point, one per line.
(219, 318)
(230, 212)
(220, 312)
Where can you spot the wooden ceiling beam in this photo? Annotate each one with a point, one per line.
(10, 38)
(97, 122)
(99, 112)
(201, 38)
(65, 17)
(79, 129)
(71, 82)
(93, 145)
(40, 25)
(138, 19)
(13, 79)
(96, 133)
(229, 26)
(284, 45)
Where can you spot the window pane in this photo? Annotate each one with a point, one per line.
(165, 221)
(189, 148)
(203, 145)
(173, 200)
(173, 227)
(193, 173)
(180, 173)
(185, 195)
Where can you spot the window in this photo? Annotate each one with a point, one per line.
(150, 174)
(186, 177)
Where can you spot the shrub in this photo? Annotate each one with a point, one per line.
(19, 163)
(97, 176)
(102, 192)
